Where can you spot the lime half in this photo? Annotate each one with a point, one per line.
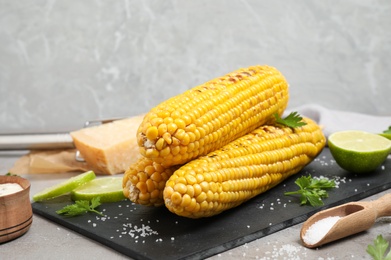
(359, 151)
(109, 189)
(64, 187)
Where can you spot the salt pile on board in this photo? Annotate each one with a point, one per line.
(319, 229)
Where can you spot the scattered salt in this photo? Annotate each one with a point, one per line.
(319, 229)
(135, 231)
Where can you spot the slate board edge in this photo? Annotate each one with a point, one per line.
(222, 247)
(90, 235)
(280, 226)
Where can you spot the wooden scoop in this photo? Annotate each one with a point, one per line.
(355, 217)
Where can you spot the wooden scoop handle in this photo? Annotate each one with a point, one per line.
(382, 205)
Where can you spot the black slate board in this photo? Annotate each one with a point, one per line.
(155, 233)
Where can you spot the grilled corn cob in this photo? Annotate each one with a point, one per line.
(211, 115)
(244, 168)
(144, 181)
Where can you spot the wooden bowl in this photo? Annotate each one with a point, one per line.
(16, 214)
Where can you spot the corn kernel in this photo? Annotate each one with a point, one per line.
(180, 123)
(142, 187)
(162, 129)
(176, 198)
(192, 206)
(186, 200)
(167, 138)
(190, 190)
(150, 185)
(165, 151)
(171, 128)
(151, 153)
(160, 144)
(152, 133)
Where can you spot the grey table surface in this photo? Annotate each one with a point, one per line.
(46, 239)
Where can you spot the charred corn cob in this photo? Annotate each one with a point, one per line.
(144, 181)
(211, 115)
(246, 167)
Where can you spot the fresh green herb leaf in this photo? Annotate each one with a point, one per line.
(312, 190)
(379, 248)
(71, 210)
(293, 120)
(95, 202)
(80, 207)
(388, 131)
(10, 174)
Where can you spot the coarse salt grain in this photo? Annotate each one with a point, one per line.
(135, 231)
(319, 229)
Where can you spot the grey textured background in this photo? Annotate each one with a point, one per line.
(64, 62)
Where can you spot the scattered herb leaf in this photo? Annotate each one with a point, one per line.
(10, 174)
(292, 120)
(379, 248)
(388, 131)
(312, 190)
(80, 207)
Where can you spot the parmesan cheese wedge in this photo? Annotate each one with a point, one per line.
(109, 148)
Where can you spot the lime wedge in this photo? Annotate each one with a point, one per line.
(64, 187)
(109, 189)
(359, 151)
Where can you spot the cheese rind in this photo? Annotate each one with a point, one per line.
(109, 148)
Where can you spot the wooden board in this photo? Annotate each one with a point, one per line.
(155, 233)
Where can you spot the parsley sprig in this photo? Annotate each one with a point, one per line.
(292, 120)
(388, 131)
(312, 190)
(379, 249)
(81, 207)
